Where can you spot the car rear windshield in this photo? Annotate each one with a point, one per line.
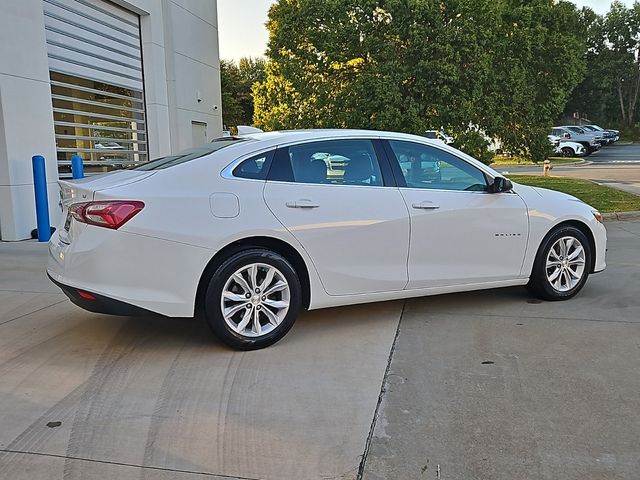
(191, 154)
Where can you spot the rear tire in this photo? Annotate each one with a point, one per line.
(562, 265)
(253, 299)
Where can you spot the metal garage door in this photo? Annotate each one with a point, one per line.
(95, 65)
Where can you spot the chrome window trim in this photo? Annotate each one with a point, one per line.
(333, 185)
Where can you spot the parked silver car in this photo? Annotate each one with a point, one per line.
(609, 135)
(588, 141)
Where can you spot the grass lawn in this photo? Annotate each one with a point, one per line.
(603, 198)
(500, 161)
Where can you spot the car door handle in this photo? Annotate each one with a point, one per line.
(426, 206)
(302, 203)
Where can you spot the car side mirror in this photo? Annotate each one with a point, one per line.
(500, 185)
(567, 135)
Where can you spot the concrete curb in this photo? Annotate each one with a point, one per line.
(621, 216)
(579, 162)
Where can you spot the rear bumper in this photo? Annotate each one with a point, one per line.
(151, 274)
(96, 303)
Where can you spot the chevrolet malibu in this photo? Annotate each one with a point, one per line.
(247, 231)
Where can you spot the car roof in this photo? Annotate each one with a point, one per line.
(286, 136)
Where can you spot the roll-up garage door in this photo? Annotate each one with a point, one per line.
(97, 92)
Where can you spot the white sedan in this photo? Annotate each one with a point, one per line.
(249, 230)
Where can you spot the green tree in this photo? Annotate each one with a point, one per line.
(394, 64)
(538, 61)
(237, 81)
(609, 92)
(230, 86)
(505, 67)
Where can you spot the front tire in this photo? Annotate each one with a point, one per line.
(568, 152)
(588, 148)
(253, 299)
(562, 265)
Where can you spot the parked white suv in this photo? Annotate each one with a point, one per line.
(589, 142)
(567, 148)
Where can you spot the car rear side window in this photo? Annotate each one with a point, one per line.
(255, 167)
(329, 162)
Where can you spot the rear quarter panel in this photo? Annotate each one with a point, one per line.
(178, 208)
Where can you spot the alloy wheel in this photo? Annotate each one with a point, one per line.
(566, 263)
(255, 300)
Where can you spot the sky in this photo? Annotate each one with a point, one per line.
(242, 32)
(241, 29)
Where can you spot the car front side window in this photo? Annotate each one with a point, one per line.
(427, 167)
(329, 162)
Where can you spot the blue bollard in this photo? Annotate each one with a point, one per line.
(42, 201)
(77, 167)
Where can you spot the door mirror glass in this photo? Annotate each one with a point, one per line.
(500, 184)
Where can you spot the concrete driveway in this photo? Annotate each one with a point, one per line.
(481, 385)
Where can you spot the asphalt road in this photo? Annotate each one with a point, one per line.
(612, 156)
(482, 385)
(617, 154)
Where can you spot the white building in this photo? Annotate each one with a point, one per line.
(117, 82)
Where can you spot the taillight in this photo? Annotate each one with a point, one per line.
(108, 214)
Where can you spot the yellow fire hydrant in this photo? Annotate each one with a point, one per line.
(546, 169)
